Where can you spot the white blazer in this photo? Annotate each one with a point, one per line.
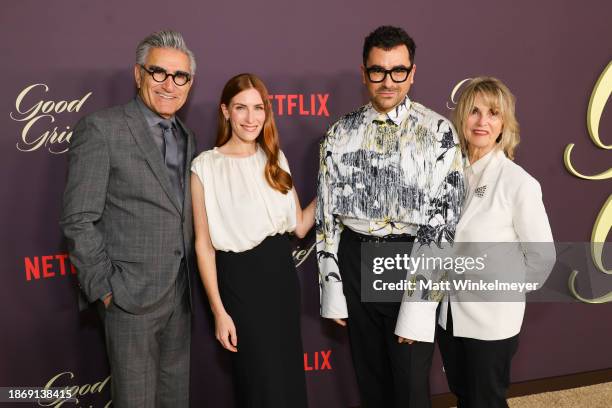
(508, 210)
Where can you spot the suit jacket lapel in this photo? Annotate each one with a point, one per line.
(140, 132)
(487, 180)
(188, 156)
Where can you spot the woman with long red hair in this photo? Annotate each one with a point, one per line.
(244, 205)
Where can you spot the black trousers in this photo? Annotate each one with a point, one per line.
(261, 292)
(389, 374)
(477, 371)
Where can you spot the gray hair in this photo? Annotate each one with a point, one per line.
(164, 39)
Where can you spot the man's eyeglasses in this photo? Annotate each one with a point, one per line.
(378, 74)
(180, 78)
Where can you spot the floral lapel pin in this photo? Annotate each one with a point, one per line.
(480, 191)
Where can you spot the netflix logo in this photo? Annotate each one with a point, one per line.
(300, 104)
(47, 266)
(317, 361)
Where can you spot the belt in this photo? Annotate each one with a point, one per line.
(350, 234)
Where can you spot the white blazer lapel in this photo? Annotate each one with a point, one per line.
(485, 187)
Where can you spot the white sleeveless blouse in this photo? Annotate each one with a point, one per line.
(241, 207)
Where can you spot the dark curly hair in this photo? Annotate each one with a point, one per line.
(387, 37)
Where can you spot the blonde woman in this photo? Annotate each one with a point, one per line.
(503, 205)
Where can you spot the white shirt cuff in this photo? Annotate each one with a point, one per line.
(417, 321)
(333, 303)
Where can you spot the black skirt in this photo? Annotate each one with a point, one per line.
(260, 291)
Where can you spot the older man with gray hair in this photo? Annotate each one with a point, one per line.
(127, 218)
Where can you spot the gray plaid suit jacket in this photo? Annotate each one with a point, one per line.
(125, 230)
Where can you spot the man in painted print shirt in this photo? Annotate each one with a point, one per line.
(390, 171)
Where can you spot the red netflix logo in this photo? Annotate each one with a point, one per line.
(47, 266)
(300, 104)
(317, 361)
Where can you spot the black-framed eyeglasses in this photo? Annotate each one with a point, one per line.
(378, 74)
(180, 78)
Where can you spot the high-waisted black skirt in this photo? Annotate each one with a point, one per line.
(260, 291)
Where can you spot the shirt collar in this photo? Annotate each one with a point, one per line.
(151, 117)
(396, 115)
(480, 164)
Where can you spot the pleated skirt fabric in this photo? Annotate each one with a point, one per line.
(260, 291)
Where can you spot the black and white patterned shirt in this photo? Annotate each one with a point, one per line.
(400, 171)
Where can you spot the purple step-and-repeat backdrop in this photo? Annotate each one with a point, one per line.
(64, 59)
